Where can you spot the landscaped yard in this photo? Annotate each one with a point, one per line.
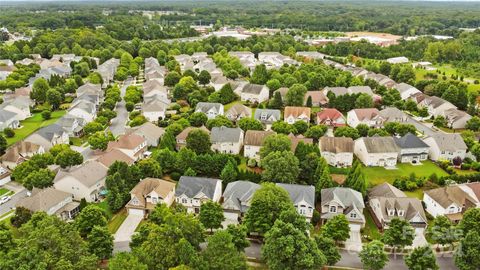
(370, 228)
(3, 191)
(78, 141)
(32, 124)
(116, 220)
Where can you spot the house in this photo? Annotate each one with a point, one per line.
(303, 198)
(4, 175)
(108, 69)
(352, 90)
(238, 111)
(398, 60)
(150, 132)
(73, 125)
(191, 192)
(275, 60)
(331, 118)
(452, 201)
(295, 140)
(337, 91)
(386, 202)
(108, 158)
(456, 119)
(337, 151)
(89, 88)
(344, 201)
(211, 110)
(227, 140)
(254, 93)
(236, 200)
(131, 144)
(294, 114)
(218, 81)
(406, 90)
(436, 106)
(8, 119)
(318, 98)
(154, 87)
(267, 116)
(311, 55)
(368, 116)
(85, 181)
(148, 193)
(154, 109)
(19, 105)
(446, 146)
(411, 149)
(181, 138)
(49, 136)
(51, 201)
(392, 114)
(83, 109)
(376, 151)
(19, 152)
(283, 92)
(253, 142)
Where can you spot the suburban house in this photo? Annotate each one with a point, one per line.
(51, 201)
(398, 60)
(247, 59)
(318, 98)
(337, 151)
(89, 88)
(191, 192)
(154, 109)
(446, 146)
(83, 109)
(49, 136)
(376, 151)
(218, 81)
(8, 119)
(360, 90)
(108, 158)
(154, 87)
(181, 138)
(387, 202)
(238, 111)
(108, 69)
(457, 119)
(211, 110)
(452, 201)
(283, 92)
(148, 193)
(253, 142)
(73, 125)
(369, 116)
(132, 144)
(19, 105)
(227, 140)
(294, 114)
(344, 201)
(236, 200)
(4, 175)
(295, 140)
(267, 116)
(436, 106)
(331, 118)
(275, 60)
(20, 152)
(85, 181)
(411, 149)
(392, 114)
(406, 90)
(336, 91)
(303, 198)
(150, 132)
(254, 93)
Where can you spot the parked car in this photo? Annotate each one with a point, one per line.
(4, 199)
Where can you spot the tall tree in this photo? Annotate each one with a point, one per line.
(221, 253)
(327, 246)
(211, 215)
(229, 173)
(337, 228)
(373, 256)
(356, 179)
(259, 75)
(239, 236)
(295, 95)
(421, 258)
(89, 217)
(199, 141)
(100, 242)
(399, 234)
(467, 255)
(276, 142)
(282, 167)
(442, 231)
(126, 260)
(470, 221)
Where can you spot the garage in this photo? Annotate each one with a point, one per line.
(137, 212)
(354, 243)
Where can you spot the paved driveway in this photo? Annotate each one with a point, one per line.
(127, 229)
(118, 123)
(10, 205)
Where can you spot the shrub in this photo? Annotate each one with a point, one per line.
(251, 163)
(9, 133)
(46, 114)
(129, 106)
(175, 176)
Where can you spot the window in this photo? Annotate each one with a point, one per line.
(154, 199)
(184, 200)
(333, 209)
(400, 213)
(353, 215)
(391, 212)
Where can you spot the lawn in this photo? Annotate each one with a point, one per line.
(104, 205)
(449, 71)
(379, 175)
(78, 141)
(3, 191)
(116, 220)
(32, 124)
(370, 228)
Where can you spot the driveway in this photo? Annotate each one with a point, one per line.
(118, 123)
(10, 205)
(127, 229)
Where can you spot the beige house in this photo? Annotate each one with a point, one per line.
(446, 146)
(238, 111)
(150, 132)
(254, 93)
(19, 152)
(227, 140)
(132, 144)
(253, 142)
(370, 117)
(52, 202)
(376, 151)
(294, 114)
(191, 192)
(148, 193)
(337, 151)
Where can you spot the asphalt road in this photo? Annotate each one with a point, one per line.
(6, 207)
(118, 123)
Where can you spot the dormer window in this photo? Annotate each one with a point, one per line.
(353, 215)
(391, 212)
(401, 213)
(184, 200)
(333, 209)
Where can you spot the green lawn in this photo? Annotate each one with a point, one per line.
(116, 220)
(449, 71)
(106, 208)
(30, 125)
(3, 191)
(370, 228)
(78, 141)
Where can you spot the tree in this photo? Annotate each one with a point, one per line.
(204, 77)
(249, 124)
(295, 95)
(322, 176)
(211, 215)
(473, 123)
(440, 121)
(442, 231)
(99, 140)
(41, 178)
(3, 144)
(300, 127)
(100, 242)
(239, 236)
(199, 141)
(167, 141)
(88, 218)
(22, 216)
(126, 260)
(92, 127)
(39, 90)
(283, 127)
(364, 101)
(266, 205)
(347, 132)
(373, 256)
(149, 167)
(276, 102)
(399, 234)
(54, 98)
(287, 247)
(68, 158)
(421, 258)
(229, 173)
(259, 75)
(197, 119)
(467, 255)
(315, 132)
(356, 179)
(273, 143)
(47, 114)
(328, 248)
(470, 221)
(337, 228)
(172, 78)
(280, 167)
(221, 253)
(225, 95)
(363, 129)
(219, 121)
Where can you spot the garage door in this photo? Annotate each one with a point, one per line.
(137, 212)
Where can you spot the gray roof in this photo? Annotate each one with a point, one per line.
(410, 141)
(237, 195)
(252, 88)
(449, 141)
(377, 144)
(43, 200)
(300, 193)
(191, 186)
(338, 91)
(225, 134)
(436, 102)
(88, 173)
(267, 113)
(346, 196)
(67, 121)
(404, 87)
(386, 190)
(392, 114)
(206, 106)
(360, 89)
(336, 144)
(6, 115)
(50, 131)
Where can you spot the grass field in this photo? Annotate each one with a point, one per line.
(116, 220)
(30, 125)
(449, 71)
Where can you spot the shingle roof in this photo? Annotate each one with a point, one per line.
(317, 97)
(346, 196)
(366, 113)
(238, 194)
(297, 111)
(50, 131)
(43, 200)
(337, 91)
(392, 114)
(360, 90)
(225, 134)
(410, 141)
(300, 193)
(6, 115)
(445, 196)
(113, 155)
(238, 109)
(130, 141)
(192, 186)
(252, 88)
(18, 150)
(147, 185)
(336, 144)
(385, 190)
(183, 135)
(449, 141)
(267, 113)
(206, 106)
(256, 137)
(377, 144)
(88, 173)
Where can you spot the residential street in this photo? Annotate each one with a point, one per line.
(118, 123)
(6, 207)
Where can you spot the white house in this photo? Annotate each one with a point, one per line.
(148, 193)
(236, 200)
(456, 119)
(436, 106)
(131, 144)
(19, 105)
(398, 60)
(84, 109)
(411, 149)
(238, 111)
(211, 110)
(85, 181)
(8, 119)
(49, 136)
(254, 93)
(406, 90)
(303, 198)
(227, 140)
(253, 142)
(191, 192)
(267, 116)
(369, 116)
(376, 151)
(337, 151)
(154, 109)
(294, 114)
(446, 146)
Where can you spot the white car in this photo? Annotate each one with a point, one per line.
(4, 199)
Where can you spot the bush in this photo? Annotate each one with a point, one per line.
(316, 217)
(175, 176)
(9, 133)
(251, 163)
(46, 114)
(129, 106)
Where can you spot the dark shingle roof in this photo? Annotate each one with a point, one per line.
(410, 141)
(191, 186)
